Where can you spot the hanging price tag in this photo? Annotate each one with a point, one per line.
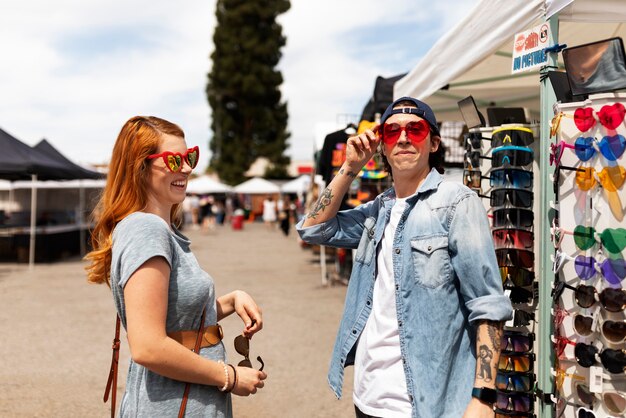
(595, 379)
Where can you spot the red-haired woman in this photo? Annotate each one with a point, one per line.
(159, 290)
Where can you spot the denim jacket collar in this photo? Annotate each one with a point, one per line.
(431, 182)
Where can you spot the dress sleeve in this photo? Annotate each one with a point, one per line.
(474, 261)
(137, 239)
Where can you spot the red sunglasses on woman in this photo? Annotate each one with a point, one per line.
(174, 160)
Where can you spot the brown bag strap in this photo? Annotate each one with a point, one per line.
(183, 404)
(112, 380)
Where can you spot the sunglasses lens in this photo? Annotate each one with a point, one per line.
(614, 331)
(585, 267)
(519, 276)
(511, 177)
(174, 162)
(584, 394)
(514, 363)
(391, 133)
(513, 402)
(614, 239)
(612, 178)
(613, 360)
(517, 137)
(585, 413)
(192, 157)
(520, 198)
(515, 257)
(514, 382)
(522, 318)
(614, 402)
(516, 342)
(614, 271)
(583, 118)
(585, 354)
(520, 295)
(245, 363)
(585, 295)
(584, 237)
(242, 345)
(583, 324)
(417, 131)
(583, 148)
(613, 300)
(471, 178)
(612, 116)
(509, 157)
(518, 218)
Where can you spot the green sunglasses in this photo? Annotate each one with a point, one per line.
(613, 239)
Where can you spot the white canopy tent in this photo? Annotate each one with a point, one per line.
(256, 185)
(299, 184)
(474, 58)
(207, 185)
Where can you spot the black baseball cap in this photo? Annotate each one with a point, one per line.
(421, 109)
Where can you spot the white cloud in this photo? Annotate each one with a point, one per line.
(73, 72)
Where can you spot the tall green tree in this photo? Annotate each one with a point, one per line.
(249, 115)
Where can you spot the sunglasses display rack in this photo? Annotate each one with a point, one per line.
(588, 235)
(499, 165)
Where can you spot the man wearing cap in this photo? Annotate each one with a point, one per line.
(425, 289)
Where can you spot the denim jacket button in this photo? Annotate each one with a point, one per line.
(399, 323)
(397, 250)
(354, 331)
(368, 303)
(430, 247)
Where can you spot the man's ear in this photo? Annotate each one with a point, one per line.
(434, 143)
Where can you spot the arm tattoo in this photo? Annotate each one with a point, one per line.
(349, 173)
(324, 200)
(494, 329)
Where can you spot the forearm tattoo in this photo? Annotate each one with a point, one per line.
(324, 201)
(486, 353)
(349, 173)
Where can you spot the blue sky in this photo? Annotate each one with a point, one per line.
(73, 72)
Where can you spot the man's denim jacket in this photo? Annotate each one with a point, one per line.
(447, 279)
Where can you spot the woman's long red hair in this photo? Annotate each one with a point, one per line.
(126, 187)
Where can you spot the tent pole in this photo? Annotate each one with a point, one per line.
(79, 218)
(546, 191)
(33, 221)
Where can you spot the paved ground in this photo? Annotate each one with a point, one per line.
(57, 330)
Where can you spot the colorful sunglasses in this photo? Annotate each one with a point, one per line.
(612, 239)
(614, 402)
(174, 160)
(516, 342)
(560, 376)
(613, 270)
(416, 132)
(519, 276)
(611, 178)
(514, 177)
(518, 218)
(518, 402)
(610, 116)
(612, 331)
(512, 257)
(511, 155)
(613, 300)
(517, 197)
(472, 178)
(516, 362)
(512, 238)
(517, 136)
(515, 381)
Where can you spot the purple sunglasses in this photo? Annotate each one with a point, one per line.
(613, 270)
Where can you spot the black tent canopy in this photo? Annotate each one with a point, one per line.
(18, 161)
(79, 172)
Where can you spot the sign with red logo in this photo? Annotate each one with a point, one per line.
(528, 49)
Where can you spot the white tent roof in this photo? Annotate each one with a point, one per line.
(206, 185)
(256, 185)
(297, 185)
(474, 58)
(53, 184)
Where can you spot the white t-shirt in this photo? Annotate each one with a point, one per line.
(379, 381)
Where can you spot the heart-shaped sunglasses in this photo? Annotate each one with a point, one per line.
(174, 160)
(416, 132)
(610, 116)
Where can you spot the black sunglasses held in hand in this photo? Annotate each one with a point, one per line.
(242, 346)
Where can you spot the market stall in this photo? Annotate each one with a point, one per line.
(578, 371)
